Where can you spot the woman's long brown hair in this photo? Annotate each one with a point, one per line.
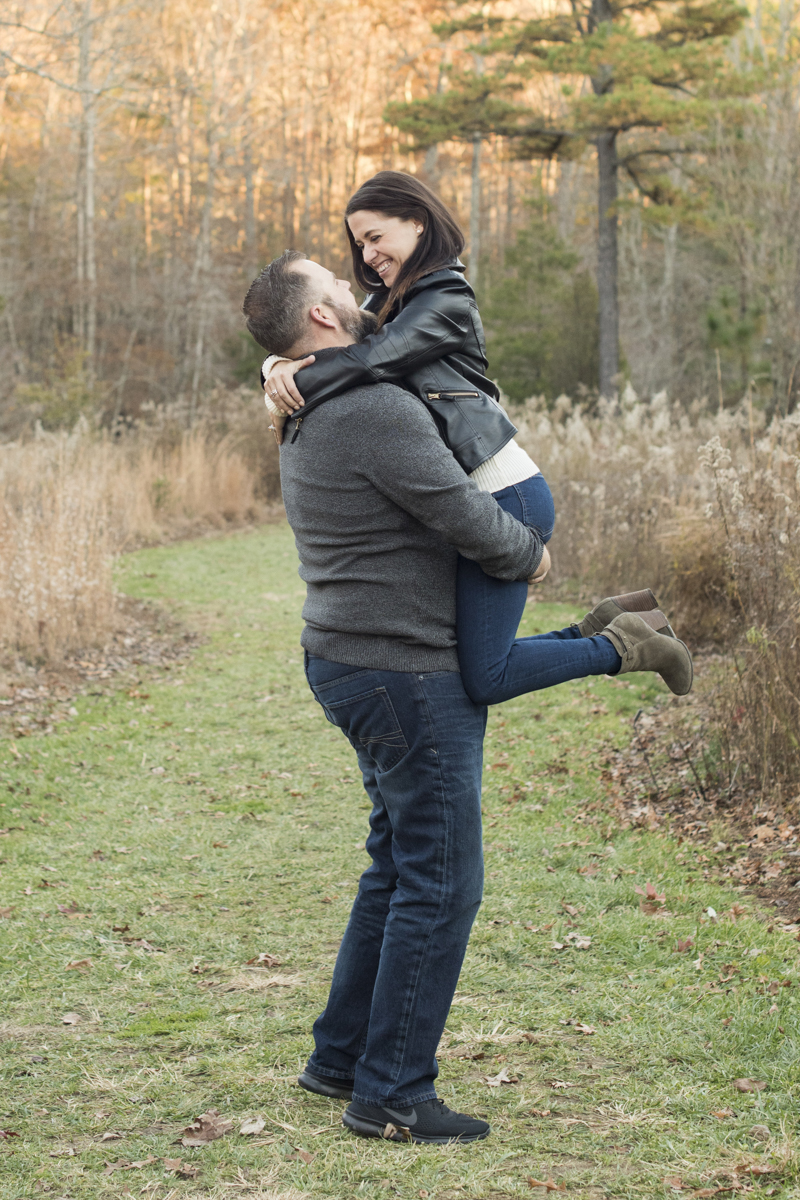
(395, 194)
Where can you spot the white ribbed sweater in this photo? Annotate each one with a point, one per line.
(509, 466)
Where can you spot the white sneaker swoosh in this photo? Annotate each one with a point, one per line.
(401, 1117)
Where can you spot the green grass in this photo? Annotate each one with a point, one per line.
(208, 814)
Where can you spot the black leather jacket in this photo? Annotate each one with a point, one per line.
(434, 347)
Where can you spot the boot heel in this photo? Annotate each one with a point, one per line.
(638, 602)
(658, 622)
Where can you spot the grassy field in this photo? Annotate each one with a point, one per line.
(207, 814)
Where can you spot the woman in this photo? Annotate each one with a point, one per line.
(429, 338)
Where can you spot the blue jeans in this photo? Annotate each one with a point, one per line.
(419, 741)
(496, 665)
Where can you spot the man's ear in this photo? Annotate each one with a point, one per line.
(321, 314)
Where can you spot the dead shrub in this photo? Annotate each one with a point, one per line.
(705, 509)
(68, 503)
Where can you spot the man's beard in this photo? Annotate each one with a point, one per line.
(355, 322)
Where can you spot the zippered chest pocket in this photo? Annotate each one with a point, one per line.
(453, 395)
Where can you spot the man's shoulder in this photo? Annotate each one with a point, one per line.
(372, 400)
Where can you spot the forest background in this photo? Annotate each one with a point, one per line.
(154, 156)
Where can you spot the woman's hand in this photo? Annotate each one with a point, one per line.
(278, 422)
(280, 384)
(542, 569)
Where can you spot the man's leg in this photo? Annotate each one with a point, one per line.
(340, 1034)
(423, 738)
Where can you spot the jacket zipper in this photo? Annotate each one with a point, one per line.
(298, 421)
(451, 395)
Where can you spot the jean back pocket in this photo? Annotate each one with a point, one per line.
(370, 722)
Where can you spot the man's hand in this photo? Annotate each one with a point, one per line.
(542, 569)
(280, 384)
(278, 422)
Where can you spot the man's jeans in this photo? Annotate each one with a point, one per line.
(419, 741)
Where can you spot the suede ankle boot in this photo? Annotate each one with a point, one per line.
(614, 606)
(643, 649)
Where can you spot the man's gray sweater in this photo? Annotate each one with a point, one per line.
(379, 509)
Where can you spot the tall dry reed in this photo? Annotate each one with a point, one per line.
(705, 509)
(68, 503)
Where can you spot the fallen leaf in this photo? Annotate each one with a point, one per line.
(579, 941)
(673, 1181)
(760, 1132)
(81, 964)
(684, 944)
(389, 1130)
(143, 944)
(120, 928)
(67, 1152)
(305, 1156)
(252, 1126)
(264, 960)
(111, 1136)
(581, 1028)
(591, 869)
(561, 1083)
(123, 1165)
(749, 1085)
(5, 913)
(220, 845)
(206, 1128)
(754, 1169)
(72, 911)
(550, 1184)
(502, 1076)
(71, 1019)
(723, 1113)
(570, 908)
(7, 1133)
(181, 1169)
(650, 893)
(539, 1112)
(558, 945)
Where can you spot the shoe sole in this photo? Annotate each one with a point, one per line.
(691, 671)
(373, 1129)
(321, 1087)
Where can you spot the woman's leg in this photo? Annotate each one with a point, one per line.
(496, 665)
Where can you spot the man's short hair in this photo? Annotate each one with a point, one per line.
(277, 303)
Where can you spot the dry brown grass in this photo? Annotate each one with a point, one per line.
(705, 509)
(68, 503)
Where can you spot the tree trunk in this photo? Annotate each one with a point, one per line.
(89, 271)
(475, 214)
(250, 254)
(607, 261)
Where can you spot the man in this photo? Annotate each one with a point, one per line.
(379, 508)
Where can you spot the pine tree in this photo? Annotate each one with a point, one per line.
(541, 317)
(643, 74)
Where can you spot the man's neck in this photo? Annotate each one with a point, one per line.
(335, 342)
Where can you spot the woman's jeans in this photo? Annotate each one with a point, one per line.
(419, 741)
(496, 665)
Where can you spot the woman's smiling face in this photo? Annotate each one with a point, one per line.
(385, 242)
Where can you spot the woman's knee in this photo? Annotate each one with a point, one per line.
(480, 686)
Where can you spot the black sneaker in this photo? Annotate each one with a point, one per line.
(336, 1089)
(431, 1121)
